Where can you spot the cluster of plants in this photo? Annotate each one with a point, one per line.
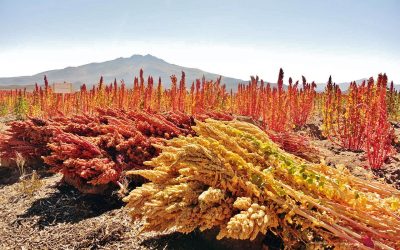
(92, 151)
(14, 102)
(231, 176)
(279, 109)
(203, 96)
(359, 119)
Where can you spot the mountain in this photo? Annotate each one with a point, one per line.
(126, 69)
(120, 68)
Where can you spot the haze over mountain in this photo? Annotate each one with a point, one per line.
(126, 69)
(120, 68)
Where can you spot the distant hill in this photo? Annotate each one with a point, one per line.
(120, 68)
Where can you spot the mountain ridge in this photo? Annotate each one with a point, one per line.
(121, 68)
(126, 68)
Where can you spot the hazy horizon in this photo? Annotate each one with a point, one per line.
(348, 40)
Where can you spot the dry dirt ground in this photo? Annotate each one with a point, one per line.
(357, 162)
(57, 216)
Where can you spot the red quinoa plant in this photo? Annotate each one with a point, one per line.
(358, 120)
(379, 132)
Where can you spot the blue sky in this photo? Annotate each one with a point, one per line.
(348, 39)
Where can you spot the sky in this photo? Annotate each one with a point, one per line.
(347, 39)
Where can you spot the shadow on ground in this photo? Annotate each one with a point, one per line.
(8, 176)
(177, 241)
(67, 205)
(207, 240)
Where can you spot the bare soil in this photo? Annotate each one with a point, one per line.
(59, 217)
